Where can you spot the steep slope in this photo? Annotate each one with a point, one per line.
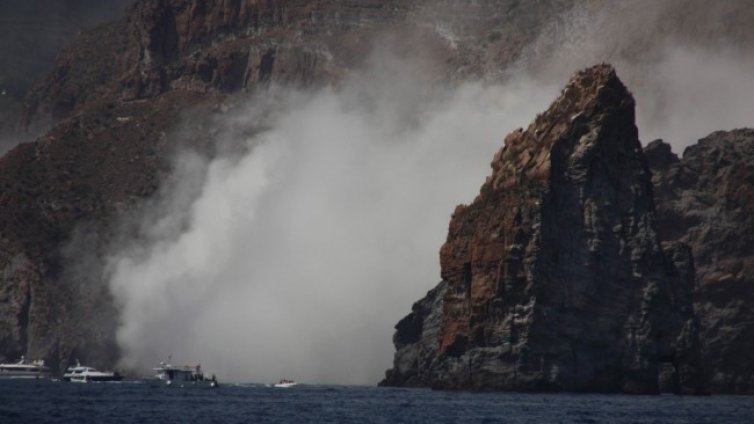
(118, 91)
(554, 278)
(706, 200)
(200, 46)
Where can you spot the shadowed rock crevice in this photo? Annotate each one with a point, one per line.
(705, 200)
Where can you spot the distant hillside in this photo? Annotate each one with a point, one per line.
(32, 32)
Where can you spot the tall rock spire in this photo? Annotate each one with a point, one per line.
(554, 277)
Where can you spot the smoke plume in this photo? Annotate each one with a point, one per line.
(686, 61)
(297, 258)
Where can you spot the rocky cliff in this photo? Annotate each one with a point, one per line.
(554, 277)
(706, 200)
(236, 45)
(117, 93)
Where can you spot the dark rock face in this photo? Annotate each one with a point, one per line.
(556, 277)
(227, 46)
(416, 341)
(55, 194)
(706, 200)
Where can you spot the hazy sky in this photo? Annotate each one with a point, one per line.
(678, 57)
(297, 258)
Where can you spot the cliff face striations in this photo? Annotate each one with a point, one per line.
(706, 200)
(554, 278)
(229, 46)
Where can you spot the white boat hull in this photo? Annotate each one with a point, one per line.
(24, 376)
(89, 379)
(285, 385)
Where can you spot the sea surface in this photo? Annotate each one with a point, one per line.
(138, 402)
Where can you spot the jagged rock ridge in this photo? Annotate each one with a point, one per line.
(706, 200)
(554, 278)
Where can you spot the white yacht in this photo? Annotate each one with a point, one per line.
(24, 369)
(82, 374)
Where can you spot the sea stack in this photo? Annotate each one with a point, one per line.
(554, 277)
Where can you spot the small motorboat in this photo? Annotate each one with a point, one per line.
(285, 383)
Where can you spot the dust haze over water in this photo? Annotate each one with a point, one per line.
(297, 258)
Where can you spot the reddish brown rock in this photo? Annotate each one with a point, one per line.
(554, 278)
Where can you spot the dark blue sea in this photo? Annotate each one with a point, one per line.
(131, 402)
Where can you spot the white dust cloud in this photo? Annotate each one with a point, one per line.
(687, 63)
(692, 92)
(297, 259)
